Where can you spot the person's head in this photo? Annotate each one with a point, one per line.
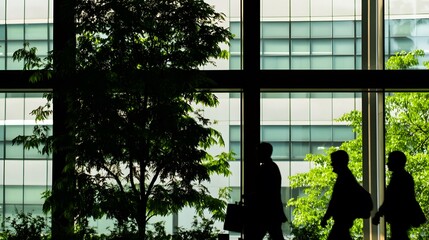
(265, 150)
(339, 160)
(396, 160)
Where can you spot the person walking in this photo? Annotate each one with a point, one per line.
(340, 206)
(400, 207)
(269, 211)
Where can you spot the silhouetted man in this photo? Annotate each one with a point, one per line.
(343, 191)
(270, 214)
(400, 207)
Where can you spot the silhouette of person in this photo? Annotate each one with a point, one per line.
(270, 214)
(399, 205)
(339, 205)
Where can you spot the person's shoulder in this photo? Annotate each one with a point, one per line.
(403, 173)
(270, 162)
(272, 166)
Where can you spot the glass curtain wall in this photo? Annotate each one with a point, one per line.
(295, 35)
(295, 123)
(25, 174)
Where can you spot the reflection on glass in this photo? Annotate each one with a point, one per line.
(406, 27)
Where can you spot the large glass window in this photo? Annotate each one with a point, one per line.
(24, 174)
(24, 21)
(295, 35)
(302, 123)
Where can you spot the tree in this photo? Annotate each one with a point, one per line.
(407, 125)
(138, 147)
(405, 60)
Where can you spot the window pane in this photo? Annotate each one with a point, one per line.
(15, 32)
(14, 170)
(321, 110)
(33, 195)
(276, 46)
(14, 194)
(300, 47)
(13, 131)
(300, 133)
(280, 151)
(344, 47)
(12, 46)
(236, 149)
(321, 46)
(35, 209)
(343, 133)
(235, 29)
(234, 133)
(14, 151)
(2, 33)
(275, 29)
(321, 63)
(275, 108)
(300, 62)
(14, 65)
(275, 62)
(321, 29)
(234, 62)
(320, 147)
(36, 32)
(275, 133)
(343, 29)
(344, 62)
(300, 9)
(299, 150)
(36, 10)
(321, 133)
(35, 172)
(235, 46)
(300, 29)
(15, 10)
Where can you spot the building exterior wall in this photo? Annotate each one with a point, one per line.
(24, 174)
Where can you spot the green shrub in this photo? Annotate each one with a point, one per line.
(201, 229)
(25, 226)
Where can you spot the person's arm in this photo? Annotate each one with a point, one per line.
(325, 219)
(378, 214)
(328, 213)
(381, 210)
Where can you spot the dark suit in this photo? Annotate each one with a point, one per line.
(270, 207)
(396, 208)
(339, 206)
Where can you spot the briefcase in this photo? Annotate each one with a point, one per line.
(234, 220)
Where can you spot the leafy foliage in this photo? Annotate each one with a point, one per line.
(200, 229)
(306, 232)
(405, 60)
(25, 226)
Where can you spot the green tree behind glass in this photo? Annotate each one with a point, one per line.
(139, 147)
